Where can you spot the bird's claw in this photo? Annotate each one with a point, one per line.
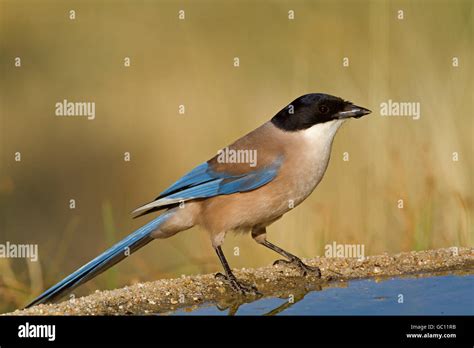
(304, 268)
(238, 287)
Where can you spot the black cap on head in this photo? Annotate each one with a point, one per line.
(311, 109)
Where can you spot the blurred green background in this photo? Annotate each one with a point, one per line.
(190, 62)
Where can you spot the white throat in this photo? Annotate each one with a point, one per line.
(313, 158)
(318, 143)
(321, 135)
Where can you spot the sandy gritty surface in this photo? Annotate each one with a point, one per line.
(167, 295)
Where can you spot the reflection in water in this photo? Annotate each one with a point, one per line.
(421, 295)
(291, 300)
(238, 305)
(233, 304)
(286, 305)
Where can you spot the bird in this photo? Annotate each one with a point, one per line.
(225, 194)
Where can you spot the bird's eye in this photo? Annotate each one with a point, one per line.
(323, 109)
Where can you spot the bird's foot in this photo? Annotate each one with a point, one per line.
(304, 268)
(237, 286)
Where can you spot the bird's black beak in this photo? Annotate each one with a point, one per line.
(351, 110)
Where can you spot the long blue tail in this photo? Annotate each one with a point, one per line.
(104, 261)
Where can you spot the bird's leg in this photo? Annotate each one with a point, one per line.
(293, 260)
(230, 278)
(259, 235)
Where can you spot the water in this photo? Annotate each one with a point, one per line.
(439, 295)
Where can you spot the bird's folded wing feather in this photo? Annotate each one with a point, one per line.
(204, 182)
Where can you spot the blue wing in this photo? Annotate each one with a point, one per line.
(204, 182)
